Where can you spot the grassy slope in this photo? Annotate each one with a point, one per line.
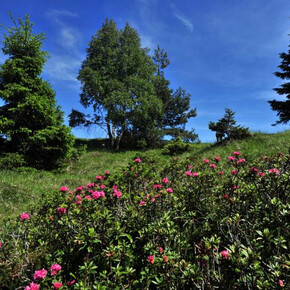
(19, 190)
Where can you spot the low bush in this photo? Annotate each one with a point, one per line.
(11, 160)
(176, 146)
(194, 224)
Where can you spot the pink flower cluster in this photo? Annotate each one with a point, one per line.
(32, 286)
(54, 269)
(24, 216)
(61, 210)
(225, 255)
(274, 171)
(138, 160)
(116, 193)
(64, 189)
(40, 274)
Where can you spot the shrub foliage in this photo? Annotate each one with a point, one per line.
(194, 224)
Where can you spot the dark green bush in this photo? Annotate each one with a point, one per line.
(176, 146)
(11, 160)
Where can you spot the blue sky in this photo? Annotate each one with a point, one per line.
(223, 52)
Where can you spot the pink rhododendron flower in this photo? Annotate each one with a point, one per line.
(188, 173)
(90, 191)
(160, 249)
(99, 177)
(151, 259)
(142, 202)
(226, 196)
(235, 187)
(157, 186)
(220, 173)
(117, 193)
(157, 195)
(165, 258)
(237, 153)
(261, 174)
(69, 283)
(63, 189)
(195, 174)
(95, 195)
(88, 197)
(107, 172)
(169, 190)
(205, 160)
(24, 216)
(40, 274)
(235, 172)
(242, 160)
(102, 186)
(102, 194)
(61, 210)
(253, 169)
(0, 244)
(274, 171)
(57, 285)
(281, 283)
(165, 180)
(212, 166)
(225, 255)
(55, 268)
(32, 286)
(231, 158)
(80, 188)
(137, 160)
(152, 199)
(190, 166)
(217, 159)
(90, 185)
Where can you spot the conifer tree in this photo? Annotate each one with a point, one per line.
(30, 120)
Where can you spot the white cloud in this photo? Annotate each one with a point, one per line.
(68, 36)
(63, 69)
(180, 16)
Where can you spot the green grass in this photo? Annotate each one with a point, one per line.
(20, 189)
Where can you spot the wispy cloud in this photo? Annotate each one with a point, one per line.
(180, 16)
(68, 36)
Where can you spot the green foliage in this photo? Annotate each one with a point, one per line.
(11, 160)
(176, 146)
(30, 121)
(182, 224)
(115, 79)
(225, 128)
(283, 107)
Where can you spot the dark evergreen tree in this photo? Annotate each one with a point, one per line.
(176, 104)
(30, 120)
(225, 127)
(283, 107)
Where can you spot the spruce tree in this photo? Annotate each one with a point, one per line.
(30, 120)
(283, 107)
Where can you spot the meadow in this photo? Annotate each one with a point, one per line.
(215, 216)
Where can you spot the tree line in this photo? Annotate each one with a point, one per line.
(124, 85)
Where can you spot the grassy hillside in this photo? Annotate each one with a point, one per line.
(20, 189)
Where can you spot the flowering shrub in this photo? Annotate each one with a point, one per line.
(186, 224)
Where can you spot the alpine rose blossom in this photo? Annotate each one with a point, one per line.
(169, 190)
(165, 180)
(142, 202)
(0, 244)
(69, 283)
(25, 216)
(225, 255)
(188, 173)
(274, 171)
(151, 259)
(261, 174)
(63, 189)
(160, 249)
(61, 210)
(137, 160)
(212, 166)
(57, 285)
(217, 159)
(281, 283)
(165, 258)
(40, 274)
(220, 173)
(231, 158)
(237, 153)
(195, 174)
(32, 286)
(205, 160)
(242, 160)
(54, 269)
(99, 177)
(235, 172)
